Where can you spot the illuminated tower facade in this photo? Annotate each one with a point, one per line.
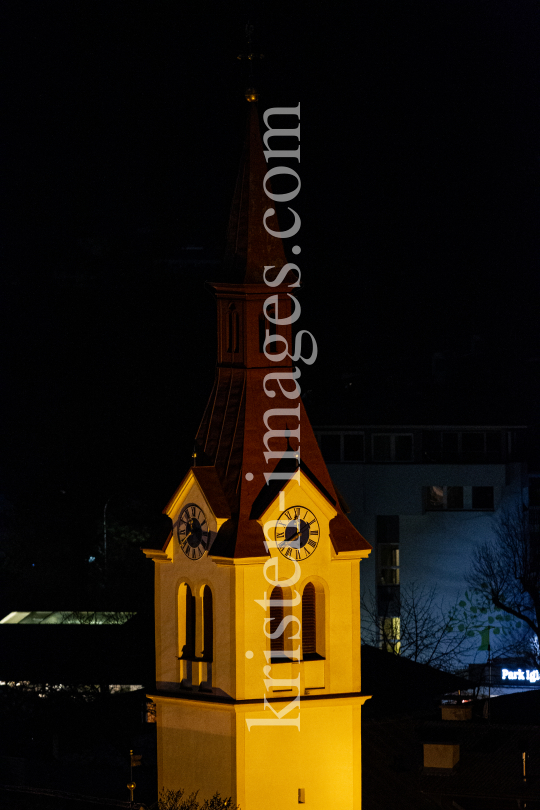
(257, 580)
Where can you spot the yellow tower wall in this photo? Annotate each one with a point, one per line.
(204, 742)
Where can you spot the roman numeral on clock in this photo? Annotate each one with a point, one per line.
(312, 543)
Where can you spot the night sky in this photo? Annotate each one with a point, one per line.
(420, 138)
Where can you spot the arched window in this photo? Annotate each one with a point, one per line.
(276, 616)
(188, 650)
(232, 329)
(309, 620)
(208, 624)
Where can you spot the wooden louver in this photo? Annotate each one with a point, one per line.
(208, 624)
(189, 648)
(309, 621)
(276, 616)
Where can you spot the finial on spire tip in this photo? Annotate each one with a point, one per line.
(251, 94)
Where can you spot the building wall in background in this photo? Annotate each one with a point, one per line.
(432, 512)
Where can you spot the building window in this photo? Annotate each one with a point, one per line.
(150, 712)
(444, 498)
(387, 536)
(277, 644)
(469, 447)
(382, 447)
(392, 447)
(388, 565)
(353, 447)
(208, 625)
(458, 498)
(473, 443)
(482, 498)
(494, 445)
(309, 621)
(391, 634)
(313, 622)
(338, 447)
(186, 622)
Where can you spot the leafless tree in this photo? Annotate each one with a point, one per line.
(507, 570)
(424, 633)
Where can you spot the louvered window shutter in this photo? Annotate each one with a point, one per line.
(309, 627)
(276, 615)
(208, 624)
(189, 650)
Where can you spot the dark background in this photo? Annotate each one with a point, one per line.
(124, 126)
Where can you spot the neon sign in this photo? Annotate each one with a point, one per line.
(531, 675)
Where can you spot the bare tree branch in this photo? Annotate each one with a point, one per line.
(424, 633)
(507, 568)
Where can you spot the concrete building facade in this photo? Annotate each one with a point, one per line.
(425, 496)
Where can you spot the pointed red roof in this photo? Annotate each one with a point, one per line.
(231, 435)
(249, 246)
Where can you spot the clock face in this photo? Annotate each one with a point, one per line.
(192, 531)
(297, 533)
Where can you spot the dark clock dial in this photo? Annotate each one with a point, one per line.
(192, 531)
(297, 533)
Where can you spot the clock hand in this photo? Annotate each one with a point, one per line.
(290, 539)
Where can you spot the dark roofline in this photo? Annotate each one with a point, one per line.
(343, 426)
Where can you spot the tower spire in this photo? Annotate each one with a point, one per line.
(250, 248)
(251, 93)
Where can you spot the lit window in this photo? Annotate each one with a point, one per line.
(435, 498)
(391, 635)
(150, 711)
(444, 498)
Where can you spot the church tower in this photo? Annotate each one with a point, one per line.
(257, 575)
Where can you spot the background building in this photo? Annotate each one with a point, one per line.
(425, 496)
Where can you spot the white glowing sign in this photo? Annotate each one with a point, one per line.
(531, 675)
